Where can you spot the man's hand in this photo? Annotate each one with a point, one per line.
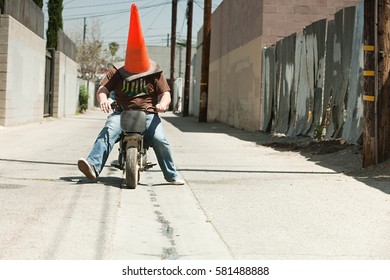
(165, 99)
(105, 105)
(161, 108)
(104, 101)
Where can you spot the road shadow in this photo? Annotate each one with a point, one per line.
(36, 162)
(332, 154)
(114, 182)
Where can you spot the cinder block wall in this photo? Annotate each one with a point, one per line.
(284, 17)
(22, 69)
(4, 33)
(65, 88)
(239, 31)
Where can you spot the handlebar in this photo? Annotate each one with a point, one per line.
(116, 106)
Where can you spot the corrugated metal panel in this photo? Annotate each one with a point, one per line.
(268, 87)
(301, 93)
(329, 75)
(315, 35)
(285, 50)
(354, 114)
(317, 80)
(345, 20)
(336, 77)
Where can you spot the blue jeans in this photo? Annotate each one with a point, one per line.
(154, 135)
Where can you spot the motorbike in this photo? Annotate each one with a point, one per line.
(133, 147)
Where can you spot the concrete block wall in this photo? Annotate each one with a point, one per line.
(284, 17)
(22, 76)
(65, 88)
(22, 73)
(4, 33)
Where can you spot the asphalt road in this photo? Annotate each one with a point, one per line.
(240, 200)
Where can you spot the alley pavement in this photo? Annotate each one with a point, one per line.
(241, 200)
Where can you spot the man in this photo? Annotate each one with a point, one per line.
(137, 85)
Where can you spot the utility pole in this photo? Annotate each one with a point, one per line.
(173, 48)
(204, 81)
(383, 62)
(85, 29)
(369, 94)
(187, 81)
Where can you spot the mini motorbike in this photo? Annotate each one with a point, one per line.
(132, 159)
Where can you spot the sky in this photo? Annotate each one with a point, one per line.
(113, 17)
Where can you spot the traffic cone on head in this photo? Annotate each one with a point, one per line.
(137, 62)
(137, 59)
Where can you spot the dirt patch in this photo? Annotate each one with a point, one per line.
(310, 146)
(335, 154)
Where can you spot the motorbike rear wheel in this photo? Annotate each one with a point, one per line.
(132, 168)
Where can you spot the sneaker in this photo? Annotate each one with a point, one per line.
(176, 182)
(87, 169)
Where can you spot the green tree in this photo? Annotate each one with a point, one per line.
(39, 3)
(55, 22)
(1, 6)
(114, 47)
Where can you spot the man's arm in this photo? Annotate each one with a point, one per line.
(165, 100)
(102, 96)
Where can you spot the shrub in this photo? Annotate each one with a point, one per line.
(83, 99)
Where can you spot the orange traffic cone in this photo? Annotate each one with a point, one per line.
(137, 59)
(137, 62)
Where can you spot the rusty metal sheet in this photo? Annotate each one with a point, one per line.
(268, 88)
(317, 80)
(334, 123)
(354, 115)
(299, 124)
(285, 59)
(307, 96)
(345, 20)
(329, 75)
(315, 35)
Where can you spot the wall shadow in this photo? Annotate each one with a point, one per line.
(332, 154)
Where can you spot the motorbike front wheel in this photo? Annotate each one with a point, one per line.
(132, 168)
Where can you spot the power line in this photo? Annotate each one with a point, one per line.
(110, 13)
(97, 5)
(101, 5)
(93, 15)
